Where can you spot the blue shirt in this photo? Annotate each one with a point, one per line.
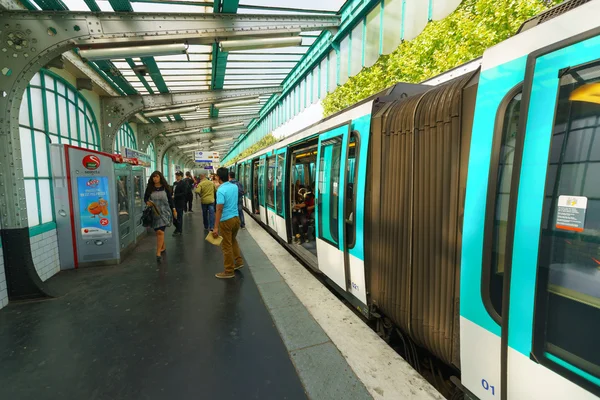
(227, 194)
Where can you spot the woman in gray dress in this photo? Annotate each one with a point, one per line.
(159, 196)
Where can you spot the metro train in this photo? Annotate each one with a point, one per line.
(463, 216)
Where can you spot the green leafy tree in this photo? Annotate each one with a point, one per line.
(265, 142)
(461, 37)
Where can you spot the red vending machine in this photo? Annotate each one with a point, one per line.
(98, 200)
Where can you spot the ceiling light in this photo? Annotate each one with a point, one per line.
(236, 103)
(223, 140)
(182, 110)
(226, 126)
(182, 133)
(132, 52)
(266, 43)
(186, 146)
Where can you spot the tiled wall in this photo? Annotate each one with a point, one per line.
(3, 291)
(44, 249)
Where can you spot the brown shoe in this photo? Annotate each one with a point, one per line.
(224, 275)
(238, 267)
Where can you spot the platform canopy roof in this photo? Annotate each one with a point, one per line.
(204, 67)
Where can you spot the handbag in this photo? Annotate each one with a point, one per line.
(147, 217)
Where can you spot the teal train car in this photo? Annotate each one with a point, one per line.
(462, 219)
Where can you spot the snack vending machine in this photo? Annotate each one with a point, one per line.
(98, 200)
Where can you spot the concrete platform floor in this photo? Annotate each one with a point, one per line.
(145, 331)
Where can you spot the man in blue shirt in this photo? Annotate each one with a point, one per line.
(228, 222)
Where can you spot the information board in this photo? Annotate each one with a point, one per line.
(143, 158)
(570, 213)
(206, 157)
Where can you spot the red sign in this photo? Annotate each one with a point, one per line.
(104, 221)
(91, 162)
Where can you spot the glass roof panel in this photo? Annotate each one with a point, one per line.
(76, 5)
(169, 7)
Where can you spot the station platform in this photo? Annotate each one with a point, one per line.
(142, 330)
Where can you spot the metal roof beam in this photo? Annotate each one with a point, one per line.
(150, 132)
(118, 110)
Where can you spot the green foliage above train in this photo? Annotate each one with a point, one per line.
(459, 38)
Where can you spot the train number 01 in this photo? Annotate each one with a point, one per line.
(487, 386)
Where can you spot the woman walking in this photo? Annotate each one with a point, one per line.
(159, 196)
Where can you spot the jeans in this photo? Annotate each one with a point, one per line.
(231, 250)
(179, 220)
(241, 216)
(297, 220)
(208, 215)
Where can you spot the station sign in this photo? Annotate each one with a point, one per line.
(206, 157)
(142, 158)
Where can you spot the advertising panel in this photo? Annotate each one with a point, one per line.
(143, 158)
(94, 207)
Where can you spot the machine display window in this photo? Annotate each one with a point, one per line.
(123, 198)
(568, 298)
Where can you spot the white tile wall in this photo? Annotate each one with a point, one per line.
(3, 291)
(44, 249)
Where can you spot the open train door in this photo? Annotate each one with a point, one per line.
(330, 195)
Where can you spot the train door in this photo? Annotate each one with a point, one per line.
(254, 204)
(261, 188)
(331, 188)
(247, 185)
(280, 195)
(554, 227)
(270, 191)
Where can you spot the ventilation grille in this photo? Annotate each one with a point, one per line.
(551, 13)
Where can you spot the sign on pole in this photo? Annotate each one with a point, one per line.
(206, 157)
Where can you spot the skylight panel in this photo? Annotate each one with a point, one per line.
(104, 6)
(76, 5)
(168, 8)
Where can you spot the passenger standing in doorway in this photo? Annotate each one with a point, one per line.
(207, 199)
(180, 190)
(228, 223)
(240, 199)
(159, 196)
(189, 195)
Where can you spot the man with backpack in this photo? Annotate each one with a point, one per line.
(189, 196)
(240, 198)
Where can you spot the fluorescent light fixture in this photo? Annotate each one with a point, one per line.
(132, 52)
(235, 103)
(265, 43)
(223, 140)
(187, 146)
(186, 132)
(162, 113)
(226, 126)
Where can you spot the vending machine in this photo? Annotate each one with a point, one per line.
(98, 199)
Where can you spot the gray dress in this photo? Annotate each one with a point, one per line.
(164, 206)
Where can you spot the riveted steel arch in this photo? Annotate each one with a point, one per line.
(118, 110)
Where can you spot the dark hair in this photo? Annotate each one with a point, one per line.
(231, 175)
(223, 174)
(163, 182)
(188, 173)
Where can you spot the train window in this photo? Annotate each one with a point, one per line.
(279, 182)
(501, 174)
(271, 182)
(328, 193)
(567, 311)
